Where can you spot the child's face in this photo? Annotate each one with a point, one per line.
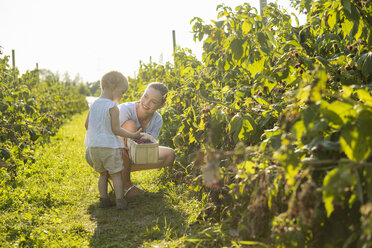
(151, 100)
(119, 91)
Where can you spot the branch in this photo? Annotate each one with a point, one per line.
(333, 162)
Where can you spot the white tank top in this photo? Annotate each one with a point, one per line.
(99, 133)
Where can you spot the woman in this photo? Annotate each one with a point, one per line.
(143, 114)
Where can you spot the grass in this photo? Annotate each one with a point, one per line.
(54, 203)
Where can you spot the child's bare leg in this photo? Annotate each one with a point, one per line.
(118, 185)
(102, 184)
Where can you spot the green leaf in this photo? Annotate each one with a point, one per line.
(299, 129)
(347, 5)
(235, 127)
(237, 48)
(346, 91)
(328, 204)
(367, 65)
(250, 131)
(332, 19)
(227, 65)
(337, 112)
(347, 25)
(255, 243)
(248, 166)
(246, 27)
(261, 38)
(355, 143)
(365, 97)
(296, 19)
(329, 190)
(256, 67)
(334, 185)
(322, 60)
(246, 128)
(261, 101)
(291, 43)
(355, 29)
(270, 34)
(272, 132)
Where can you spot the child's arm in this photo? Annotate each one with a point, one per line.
(117, 130)
(87, 121)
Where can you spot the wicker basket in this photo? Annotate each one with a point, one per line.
(147, 153)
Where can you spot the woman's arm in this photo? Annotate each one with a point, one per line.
(155, 127)
(115, 126)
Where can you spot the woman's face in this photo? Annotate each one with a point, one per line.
(151, 100)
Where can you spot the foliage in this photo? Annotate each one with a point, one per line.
(54, 203)
(31, 111)
(273, 124)
(46, 204)
(94, 88)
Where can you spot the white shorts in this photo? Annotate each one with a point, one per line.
(105, 159)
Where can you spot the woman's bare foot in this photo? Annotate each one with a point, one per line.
(133, 191)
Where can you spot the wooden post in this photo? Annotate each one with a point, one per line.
(174, 40)
(14, 68)
(13, 59)
(37, 72)
(263, 4)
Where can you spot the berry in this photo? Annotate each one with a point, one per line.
(347, 68)
(296, 54)
(259, 93)
(142, 141)
(301, 71)
(349, 48)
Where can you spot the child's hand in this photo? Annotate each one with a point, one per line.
(137, 135)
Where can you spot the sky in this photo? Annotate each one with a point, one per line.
(91, 37)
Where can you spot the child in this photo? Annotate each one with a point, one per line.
(104, 152)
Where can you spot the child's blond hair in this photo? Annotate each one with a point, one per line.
(112, 79)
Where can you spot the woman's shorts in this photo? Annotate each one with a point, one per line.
(105, 159)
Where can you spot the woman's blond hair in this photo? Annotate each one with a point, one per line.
(161, 88)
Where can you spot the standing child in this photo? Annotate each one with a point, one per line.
(104, 152)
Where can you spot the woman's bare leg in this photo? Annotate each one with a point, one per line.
(166, 155)
(130, 126)
(166, 158)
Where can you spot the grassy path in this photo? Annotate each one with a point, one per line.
(54, 203)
